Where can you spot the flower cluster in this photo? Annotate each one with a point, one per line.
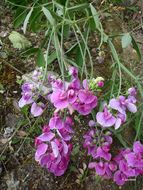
(31, 91)
(53, 146)
(128, 163)
(98, 144)
(73, 95)
(119, 107)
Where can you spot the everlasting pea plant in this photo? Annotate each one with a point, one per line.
(54, 145)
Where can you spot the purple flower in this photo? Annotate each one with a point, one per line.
(56, 122)
(121, 104)
(100, 168)
(59, 99)
(121, 118)
(118, 104)
(55, 156)
(25, 100)
(138, 147)
(47, 136)
(36, 109)
(91, 123)
(120, 178)
(103, 152)
(105, 119)
(41, 149)
(57, 85)
(132, 91)
(86, 102)
(27, 87)
(55, 149)
(124, 167)
(100, 84)
(134, 160)
(73, 71)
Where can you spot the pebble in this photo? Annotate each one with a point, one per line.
(3, 55)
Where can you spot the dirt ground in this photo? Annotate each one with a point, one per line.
(18, 169)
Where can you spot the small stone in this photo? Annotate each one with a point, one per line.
(3, 55)
(3, 34)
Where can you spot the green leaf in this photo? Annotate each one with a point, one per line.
(126, 40)
(19, 41)
(48, 16)
(78, 7)
(79, 55)
(27, 20)
(52, 57)
(136, 47)
(40, 59)
(29, 52)
(95, 16)
(19, 17)
(138, 125)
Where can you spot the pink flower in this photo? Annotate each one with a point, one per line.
(85, 103)
(105, 119)
(41, 149)
(59, 99)
(47, 136)
(37, 110)
(120, 178)
(103, 152)
(121, 118)
(121, 104)
(138, 147)
(132, 91)
(100, 84)
(56, 122)
(73, 71)
(25, 100)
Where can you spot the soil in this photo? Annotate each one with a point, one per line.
(18, 169)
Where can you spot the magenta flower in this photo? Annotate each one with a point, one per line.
(103, 152)
(85, 103)
(46, 136)
(124, 167)
(138, 147)
(120, 178)
(57, 85)
(36, 109)
(54, 156)
(41, 149)
(100, 84)
(105, 119)
(56, 122)
(59, 99)
(74, 84)
(73, 71)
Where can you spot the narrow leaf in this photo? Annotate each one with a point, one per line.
(95, 16)
(136, 47)
(48, 16)
(40, 59)
(27, 20)
(52, 57)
